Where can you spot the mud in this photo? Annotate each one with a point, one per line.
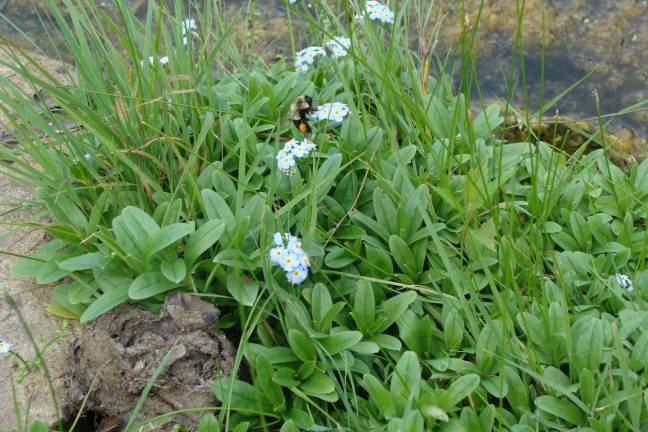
(121, 351)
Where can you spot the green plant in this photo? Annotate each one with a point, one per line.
(459, 282)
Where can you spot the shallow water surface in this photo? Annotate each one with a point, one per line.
(608, 38)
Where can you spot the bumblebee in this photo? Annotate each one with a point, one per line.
(299, 111)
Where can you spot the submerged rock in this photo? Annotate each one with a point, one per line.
(573, 135)
(122, 349)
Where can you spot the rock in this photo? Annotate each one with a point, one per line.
(123, 348)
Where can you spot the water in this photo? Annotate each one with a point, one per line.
(606, 37)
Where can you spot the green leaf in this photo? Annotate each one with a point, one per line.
(587, 386)
(285, 377)
(318, 384)
(320, 303)
(166, 237)
(487, 121)
(459, 390)
(148, 285)
(406, 379)
(589, 344)
(370, 223)
(581, 230)
(270, 389)
(63, 208)
(201, 240)
(453, 328)
(364, 306)
(388, 342)
(217, 208)
(89, 261)
(327, 320)
(518, 395)
(288, 426)
(379, 395)
(242, 427)
(408, 330)
(81, 291)
(301, 345)
(435, 412)
(26, 267)
(59, 311)
(390, 310)
(448, 197)
(239, 395)
(385, 210)
(552, 228)
(639, 357)
(208, 423)
(60, 296)
(174, 271)
(380, 259)
(326, 173)
(486, 349)
(338, 258)
(50, 272)
(641, 181)
(244, 291)
(412, 421)
(562, 409)
(599, 225)
(338, 342)
(496, 386)
(365, 347)
(133, 228)
(105, 302)
(403, 256)
(39, 426)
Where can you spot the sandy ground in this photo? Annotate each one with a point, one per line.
(32, 300)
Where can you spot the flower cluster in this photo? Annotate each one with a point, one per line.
(339, 46)
(163, 60)
(307, 57)
(378, 12)
(335, 111)
(291, 257)
(188, 26)
(624, 282)
(293, 149)
(5, 346)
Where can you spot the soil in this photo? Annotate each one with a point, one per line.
(121, 351)
(31, 299)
